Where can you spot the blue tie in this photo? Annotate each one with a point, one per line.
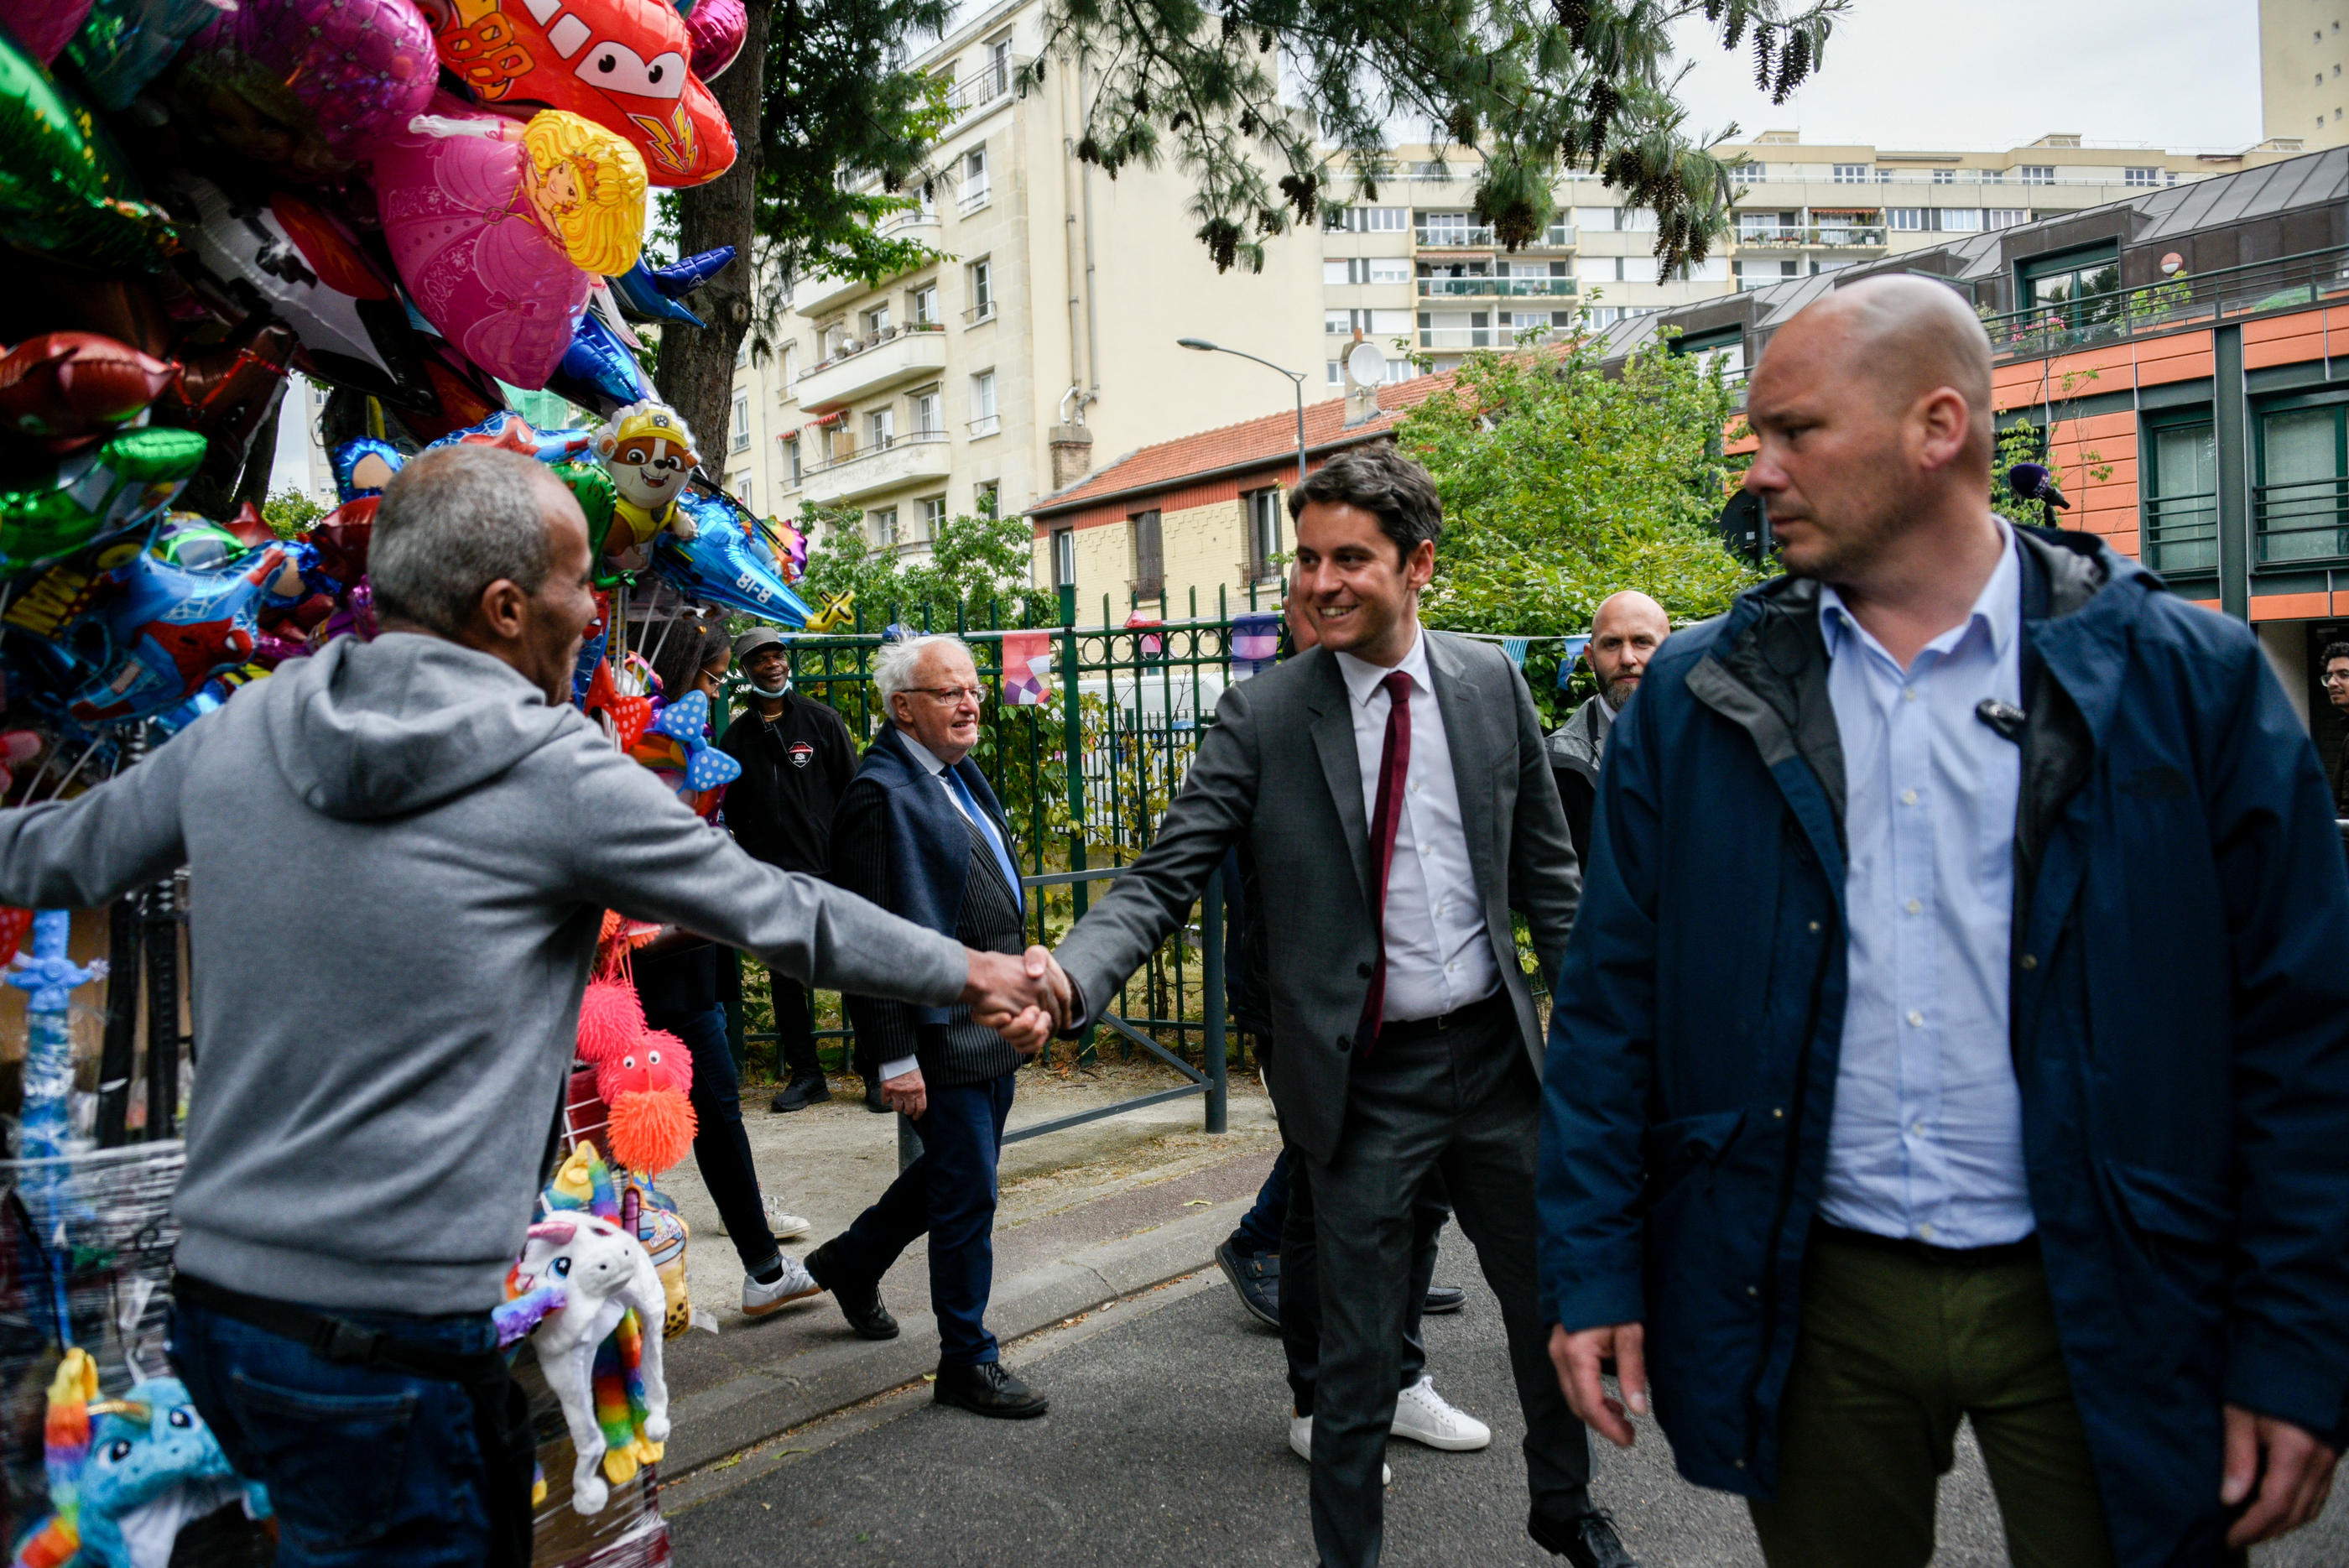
(986, 831)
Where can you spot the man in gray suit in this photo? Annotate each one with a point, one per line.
(1392, 788)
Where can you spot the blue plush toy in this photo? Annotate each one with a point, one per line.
(125, 1475)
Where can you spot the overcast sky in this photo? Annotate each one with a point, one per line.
(1995, 74)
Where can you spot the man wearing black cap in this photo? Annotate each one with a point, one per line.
(796, 758)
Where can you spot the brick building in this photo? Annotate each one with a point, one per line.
(1205, 513)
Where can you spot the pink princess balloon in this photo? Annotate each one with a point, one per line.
(499, 229)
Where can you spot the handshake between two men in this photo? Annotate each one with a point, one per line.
(1024, 997)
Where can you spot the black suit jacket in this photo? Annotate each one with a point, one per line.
(1279, 772)
(874, 827)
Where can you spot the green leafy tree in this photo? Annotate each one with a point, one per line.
(1245, 93)
(290, 512)
(1562, 485)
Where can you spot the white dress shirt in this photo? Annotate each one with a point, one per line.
(1439, 956)
(1927, 1136)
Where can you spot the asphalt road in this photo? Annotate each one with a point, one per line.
(1167, 1445)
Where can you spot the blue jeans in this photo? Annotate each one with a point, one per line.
(363, 1468)
(1259, 1228)
(948, 1193)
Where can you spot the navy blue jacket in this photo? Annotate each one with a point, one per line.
(2180, 1032)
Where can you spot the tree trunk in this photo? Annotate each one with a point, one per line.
(695, 374)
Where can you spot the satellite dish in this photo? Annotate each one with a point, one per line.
(1365, 364)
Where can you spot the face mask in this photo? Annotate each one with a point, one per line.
(770, 691)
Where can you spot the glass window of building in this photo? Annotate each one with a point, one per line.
(983, 421)
(2297, 506)
(2181, 501)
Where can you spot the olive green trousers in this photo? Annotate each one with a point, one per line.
(1897, 1347)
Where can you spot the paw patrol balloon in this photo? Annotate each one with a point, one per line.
(648, 450)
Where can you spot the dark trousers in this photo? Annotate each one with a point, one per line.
(1897, 1347)
(721, 1147)
(1301, 1288)
(365, 1468)
(795, 1056)
(948, 1193)
(1463, 1101)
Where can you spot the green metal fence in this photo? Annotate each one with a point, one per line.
(1084, 777)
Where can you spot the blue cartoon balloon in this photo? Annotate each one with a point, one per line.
(363, 466)
(651, 294)
(727, 562)
(599, 371)
(170, 629)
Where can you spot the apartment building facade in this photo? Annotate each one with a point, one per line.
(1046, 333)
(2303, 93)
(1415, 270)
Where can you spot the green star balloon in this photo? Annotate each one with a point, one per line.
(64, 193)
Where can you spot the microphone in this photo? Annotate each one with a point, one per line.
(2032, 482)
(2003, 717)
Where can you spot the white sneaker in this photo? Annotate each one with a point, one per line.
(794, 1284)
(1423, 1416)
(784, 1227)
(1300, 1443)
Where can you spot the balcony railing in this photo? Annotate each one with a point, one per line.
(972, 199)
(2181, 532)
(986, 425)
(993, 81)
(1496, 287)
(2288, 283)
(1822, 236)
(1475, 237)
(1458, 338)
(2305, 521)
(983, 311)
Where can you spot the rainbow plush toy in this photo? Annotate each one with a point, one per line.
(591, 1342)
(133, 1469)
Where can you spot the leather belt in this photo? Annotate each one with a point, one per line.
(2025, 1250)
(1478, 1012)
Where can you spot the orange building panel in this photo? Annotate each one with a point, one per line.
(2291, 606)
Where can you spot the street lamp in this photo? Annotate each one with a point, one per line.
(1203, 347)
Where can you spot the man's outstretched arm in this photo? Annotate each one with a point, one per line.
(78, 854)
(671, 867)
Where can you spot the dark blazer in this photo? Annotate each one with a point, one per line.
(2179, 1021)
(1277, 771)
(899, 841)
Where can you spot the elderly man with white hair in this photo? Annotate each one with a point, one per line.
(919, 833)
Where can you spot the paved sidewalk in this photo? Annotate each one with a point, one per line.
(1165, 1449)
(1087, 1216)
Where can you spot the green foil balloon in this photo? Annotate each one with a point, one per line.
(64, 191)
(592, 489)
(95, 493)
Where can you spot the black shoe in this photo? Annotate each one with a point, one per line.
(987, 1389)
(1445, 1298)
(860, 1300)
(802, 1093)
(873, 1100)
(1586, 1541)
(1257, 1277)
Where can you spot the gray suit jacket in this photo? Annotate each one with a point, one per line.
(1278, 770)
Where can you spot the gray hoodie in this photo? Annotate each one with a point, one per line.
(400, 857)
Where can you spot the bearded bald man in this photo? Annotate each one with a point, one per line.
(1955, 1025)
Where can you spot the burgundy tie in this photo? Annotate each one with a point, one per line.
(1395, 764)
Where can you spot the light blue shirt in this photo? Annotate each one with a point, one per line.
(1926, 1138)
